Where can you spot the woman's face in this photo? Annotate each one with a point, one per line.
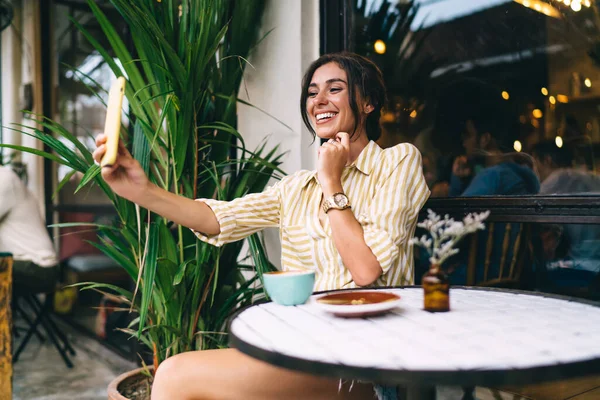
(328, 103)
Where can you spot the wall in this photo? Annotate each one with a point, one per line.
(273, 85)
(21, 64)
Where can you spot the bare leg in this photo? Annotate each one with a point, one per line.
(230, 375)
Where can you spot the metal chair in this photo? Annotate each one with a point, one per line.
(38, 316)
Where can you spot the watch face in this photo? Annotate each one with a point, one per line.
(340, 200)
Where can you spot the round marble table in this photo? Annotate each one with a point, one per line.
(490, 337)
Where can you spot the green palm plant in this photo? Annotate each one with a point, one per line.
(182, 90)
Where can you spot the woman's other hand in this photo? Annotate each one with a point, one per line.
(126, 176)
(333, 157)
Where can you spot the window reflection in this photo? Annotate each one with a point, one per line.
(477, 84)
(503, 99)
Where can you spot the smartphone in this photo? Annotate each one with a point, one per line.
(112, 125)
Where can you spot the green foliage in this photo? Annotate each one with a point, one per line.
(182, 86)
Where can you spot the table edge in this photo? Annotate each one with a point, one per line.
(496, 377)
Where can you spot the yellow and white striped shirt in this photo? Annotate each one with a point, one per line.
(386, 189)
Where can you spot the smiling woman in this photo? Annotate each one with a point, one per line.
(342, 84)
(533, 67)
(349, 222)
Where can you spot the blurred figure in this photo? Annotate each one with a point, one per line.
(475, 112)
(550, 159)
(23, 233)
(571, 251)
(436, 179)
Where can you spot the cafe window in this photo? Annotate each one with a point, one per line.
(501, 97)
(83, 78)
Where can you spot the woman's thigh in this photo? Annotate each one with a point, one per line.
(228, 374)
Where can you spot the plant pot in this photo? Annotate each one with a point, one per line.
(436, 287)
(132, 385)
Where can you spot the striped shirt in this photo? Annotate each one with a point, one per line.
(386, 189)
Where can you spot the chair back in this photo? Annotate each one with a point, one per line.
(499, 254)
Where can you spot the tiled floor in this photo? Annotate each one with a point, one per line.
(41, 374)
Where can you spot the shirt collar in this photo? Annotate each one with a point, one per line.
(365, 162)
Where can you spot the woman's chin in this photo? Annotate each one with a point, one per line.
(325, 134)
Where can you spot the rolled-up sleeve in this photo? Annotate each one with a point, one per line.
(391, 218)
(243, 216)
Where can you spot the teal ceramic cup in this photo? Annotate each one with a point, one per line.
(289, 288)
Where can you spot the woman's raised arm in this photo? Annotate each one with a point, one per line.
(128, 180)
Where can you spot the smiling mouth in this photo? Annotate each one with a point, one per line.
(323, 118)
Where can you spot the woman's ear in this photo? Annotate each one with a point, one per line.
(369, 108)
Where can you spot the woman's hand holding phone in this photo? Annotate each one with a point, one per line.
(120, 170)
(125, 176)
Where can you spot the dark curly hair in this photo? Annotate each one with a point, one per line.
(363, 76)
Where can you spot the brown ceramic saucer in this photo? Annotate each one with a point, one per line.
(362, 303)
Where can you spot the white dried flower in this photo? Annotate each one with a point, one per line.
(446, 233)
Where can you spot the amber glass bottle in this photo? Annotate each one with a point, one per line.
(436, 287)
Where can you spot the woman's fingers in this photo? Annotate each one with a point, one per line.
(99, 152)
(344, 139)
(100, 139)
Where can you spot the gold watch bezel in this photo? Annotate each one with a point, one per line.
(330, 203)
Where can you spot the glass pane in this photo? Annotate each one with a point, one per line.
(553, 258)
(498, 95)
(83, 81)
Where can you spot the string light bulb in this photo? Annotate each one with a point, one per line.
(576, 5)
(552, 100)
(379, 46)
(537, 113)
(517, 146)
(505, 95)
(587, 82)
(541, 6)
(545, 91)
(558, 141)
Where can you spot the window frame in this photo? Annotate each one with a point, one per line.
(336, 28)
(49, 104)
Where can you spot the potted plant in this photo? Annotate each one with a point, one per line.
(182, 85)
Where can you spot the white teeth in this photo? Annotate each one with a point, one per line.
(325, 115)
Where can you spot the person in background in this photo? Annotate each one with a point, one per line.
(23, 233)
(476, 112)
(571, 251)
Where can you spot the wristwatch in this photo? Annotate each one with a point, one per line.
(338, 201)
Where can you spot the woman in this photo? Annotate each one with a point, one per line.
(350, 221)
